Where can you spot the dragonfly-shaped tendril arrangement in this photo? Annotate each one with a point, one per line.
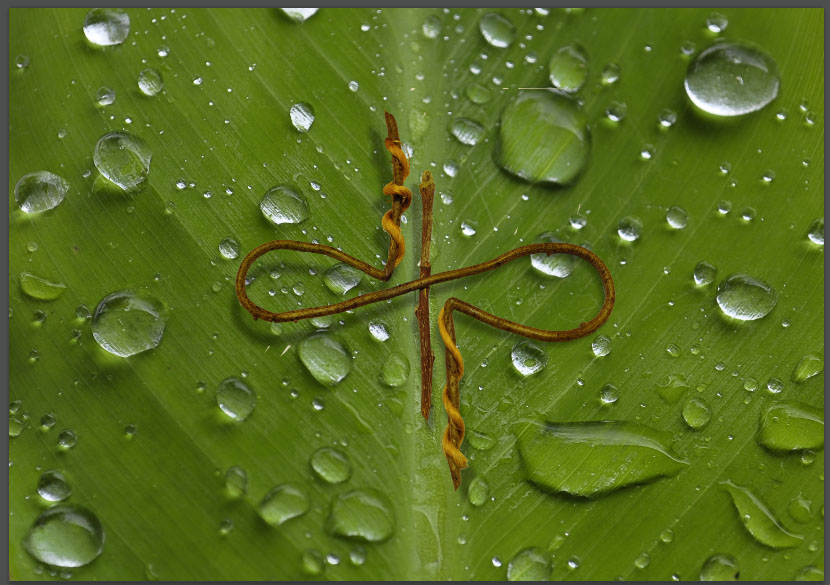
(401, 199)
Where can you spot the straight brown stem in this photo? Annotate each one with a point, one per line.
(422, 311)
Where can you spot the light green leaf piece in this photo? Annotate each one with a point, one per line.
(791, 426)
(593, 458)
(758, 520)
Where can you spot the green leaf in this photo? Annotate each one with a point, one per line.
(149, 446)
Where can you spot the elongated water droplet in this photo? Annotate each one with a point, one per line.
(302, 116)
(281, 204)
(106, 26)
(341, 278)
(126, 323)
(331, 465)
(720, 567)
(235, 399)
(467, 131)
(361, 514)
(528, 358)
(497, 30)
(283, 503)
(150, 82)
(568, 68)
(696, 413)
(759, 520)
(41, 288)
(593, 458)
(800, 509)
(40, 191)
(791, 426)
(810, 365)
(746, 298)
(529, 564)
(65, 536)
(53, 487)
(325, 358)
(122, 159)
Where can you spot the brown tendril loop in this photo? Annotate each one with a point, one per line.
(392, 218)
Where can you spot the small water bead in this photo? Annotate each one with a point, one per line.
(105, 27)
(467, 131)
(340, 278)
(229, 248)
(497, 30)
(478, 491)
(609, 394)
(302, 116)
(528, 358)
(601, 346)
(323, 322)
(283, 503)
(768, 177)
(704, 273)
(642, 561)
(325, 358)
(299, 14)
(666, 119)
(573, 563)
(32, 247)
(235, 399)
(748, 214)
(815, 233)
(673, 350)
(21, 61)
(610, 74)
(395, 370)
(696, 413)
(808, 366)
(298, 289)
(47, 421)
(312, 562)
(357, 556)
(543, 138)
(717, 23)
(226, 527)
(647, 152)
(478, 93)
(105, 96)
(431, 27)
(361, 514)
(331, 465)
(629, 228)
(677, 217)
(123, 159)
(558, 265)
(529, 564)
(150, 82)
(616, 111)
(354, 86)
(568, 68)
(41, 288)
(53, 487)
(282, 204)
(126, 323)
(667, 536)
(724, 207)
(16, 427)
(65, 536)
(745, 298)
(40, 191)
(720, 567)
(578, 221)
(379, 330)
(469, 227)
(451, 168)
(732, 79)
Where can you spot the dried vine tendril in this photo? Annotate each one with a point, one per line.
(401, 198)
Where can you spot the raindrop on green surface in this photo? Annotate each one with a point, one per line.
(528, 358)
(544, 138)
(105, 96)
(312, 562)
(229, 248)
(610, 74)
(478, 93)
(431, 27)
(497, 30)
(340, 278)
(609, 394)
(125, 323)
(40, 191)
(800, 509)
(53, 487)
(16, 426)
(808, 366)
(480, 441)
(642, 561)
(478, 491)
(395, 370)
(283, 503)
(236, 481)
(568, 68)
(672, 387)
(759, 520)
(150, 82)
(815, 233)
(106, 26)
(47, 421)
(299, 14)
(677, 218)
(667, 536)
(529, 564)
(67, 439)
(235, 399)
(746, 298)
(65, 536)
(469, 227)
(717, 23)
(226, 527)
(357, 556)
(732, 79)
(704, 273)
(558, 265)
(21, 62)
(467, 131)
(666, 119)
(362, 514)
(810, 573)
(379, 330)
(629, 228)
(720, 567)
(601, 346)
(281, 204)
(696, 413)
(122, 159)
(331, 465)
(40, 288)
(791, 426)
(325, 358)
(302, 116)
(616, 111)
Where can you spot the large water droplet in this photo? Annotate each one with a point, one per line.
(331, 465)
(325, 358)
(696, 413)
(235, 399)
(125, 323)
(39, 191)
(593, 458)
(544, 138)
(65, 536)
(497, 30)
(791, 426)
(150, 82)
(568, 68)
(759, 520)
(281, 204)
(106, 26)
(40, 288)
(283, 503)
(746, 298)
(808, 366)
(559, 265)
(720, 567)
(529, 564)
(528, 358)
(302, 116)
(362, 514)
(467, 131)
(340, 278)
(53, 487)
(122, 159)
(732, 79)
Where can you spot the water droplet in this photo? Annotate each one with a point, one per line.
(810, 573)
(732, 79)
(150, 82)
(775, 386)
(647, 152)
(325, 358)
(123, 159)
(696, 413)
(47, 421)
(331, 465)
(609, 394)
(39, 191)
(395, 370)
(236, 482)
(357, 556)
(578, 221)
(478, 93)
(610, 74)
(497, 30)
(666, 119)
(467, 131)
(558, 265)
(341, 278)
(759, 520)
(667, 536)
(40, 288)
(673, 350)
(361, 514)
(299, 14)
(717, 23)
(105, 96)
(629, 228)
(808, 366)
(125, 323)
(469, 227)
(354, 86)
(283, 503)
(529, 564)
(544, 138)
(281, 204)
(593, 458)
(235, 399)
(322, 322)
(478, 491)
(379, 330)
(704, 273)
(528, 358)
(642, 561)
(106, 26)
(451, 168)
(65, 536)
(791, 426)
(816, 232)
(480, 441)
(746, 298)
(568, 68)
(302, 116)
(601, 346)
(312, 562)
(616, 111)
(21, 61)
(229, 248)
(431, 27)
(800, 509)
(720, 567)
(53, 487)
(677, 217)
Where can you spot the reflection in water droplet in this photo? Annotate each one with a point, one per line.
(395, 370)
(746, 298)
(610, 74)
(65, 536)
(609, 394)
(361, 514)
(106, 26)
(325, 358)
(469, 227)
(302, 116)
(717, 23)
(497, 30)
(125, 323)
(283, 503)
(616, 111)
(150, 82)
(528, 358)
(720, 567)
(467, 131)
(40, 288)
(122, 159)
(529, 564)
(666, 119)
(40, 191)
(568, 68)
(235, 399)
(331, 465)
